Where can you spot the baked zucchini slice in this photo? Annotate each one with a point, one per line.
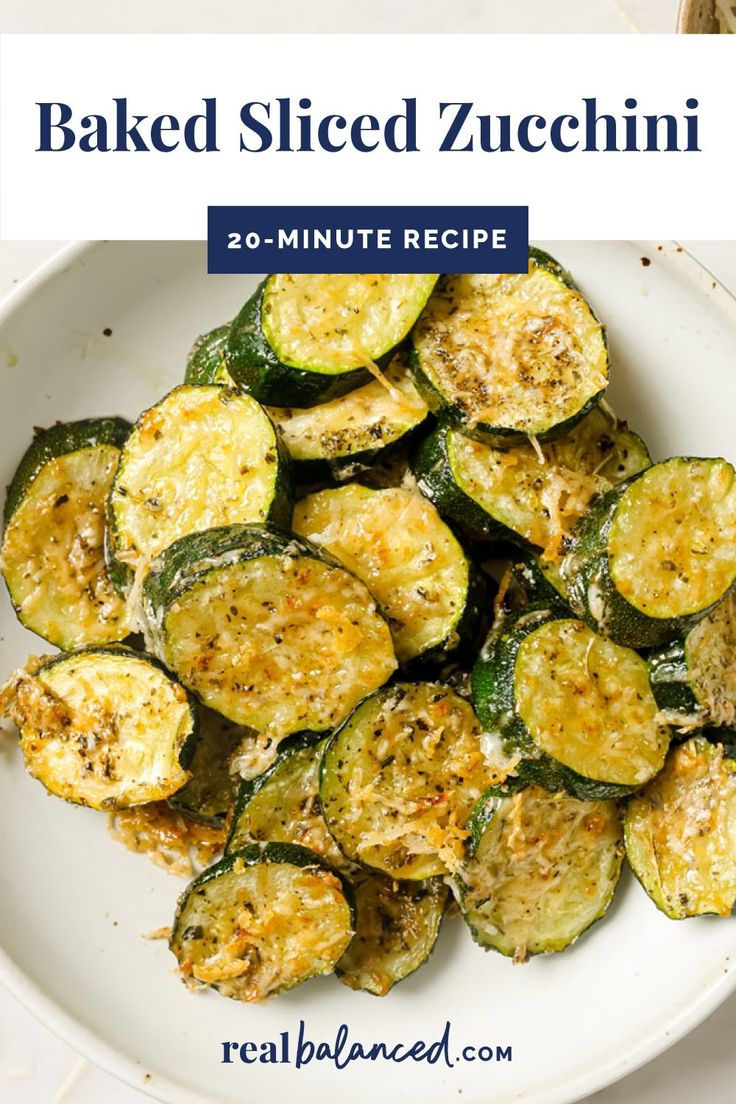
(531, 496)
(543, 869)
(209, 795)
(207, 361)
(652, 556)
(413, 565)
(680, 832)
(396, 928)
(105, 727)
(261, 921)
(503, 358)
(574, 707)
(695, 679)
(304, 339)
(282, 804)
(202, 457)
(266, 629)
(52, 556)
(400, 778)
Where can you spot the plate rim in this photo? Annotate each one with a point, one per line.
(131, 1072)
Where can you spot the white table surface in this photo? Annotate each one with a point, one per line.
(37, 1068)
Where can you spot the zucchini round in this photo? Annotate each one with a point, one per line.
(530, 496)
(680, 832)
(695, 679)
(306, 339)
(282, 804)
(543, 870)
(657, 553)
(209, 795)
(261, 921)
(202, 457)
(52, 556)
(400, 778)
(266, 629)
(104, 727)
(576, 708)
(503, 358)
(207, 361)
(396, 928)
(413, 565)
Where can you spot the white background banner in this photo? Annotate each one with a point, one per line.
(158, 195)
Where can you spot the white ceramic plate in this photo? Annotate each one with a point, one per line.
(73, 904)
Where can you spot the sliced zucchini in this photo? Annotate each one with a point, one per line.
(544, 869)
(207, 362)
(575, 707)
(209, 795)
(105, 727)
(52, 556)
(400, 778)
(396, 542)
(531, 496)
(695, 679)
(266, 629)
(396, 928)
(202, 457)
(261, 921)
(508, 357)
(654, 555)
(306, 339)
(541, 580)
(680, 832)
(282, 805)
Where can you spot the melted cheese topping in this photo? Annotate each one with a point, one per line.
(53, 555)
(170, 840)
(287, 809)
(710, 649)
(672, 543)
(103, 730)
(522, 352)
(396, 927)
(401, 779)
(258, 930)
(587, 703)
(541, 492)
(203, 457)
(279, 643)
(545, 869)
(396, 542)
(334, 322)
(681, 832)
(365, 419)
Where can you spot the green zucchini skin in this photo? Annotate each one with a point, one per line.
(492, 684)
(207, 361)
(540, 586)
(669, 677)
(501, 436)
(256, 369)
(586, 570)
(210, 794)
(59, 440)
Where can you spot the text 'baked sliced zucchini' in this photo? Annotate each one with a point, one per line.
(105, 727)
(575, 707)
(53, 548)
(654, 555)
(202, 457)
(413, 565)
(306, 339)
(681, 832)
(512, 356)
(261, 921)
(532, 496)
(400, 778)
(543, 870)
(695, 679)
(266, 629)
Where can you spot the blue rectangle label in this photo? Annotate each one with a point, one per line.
(358, 239)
